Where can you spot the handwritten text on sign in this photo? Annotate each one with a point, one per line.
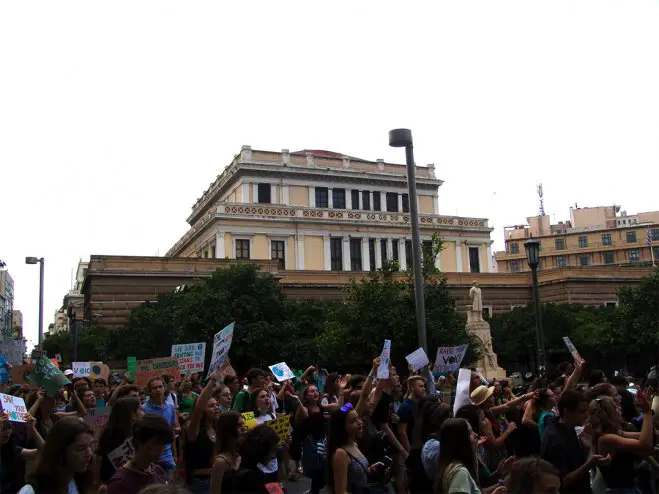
(96, 419)
(156, 367)
(449, 358)
(190, 357)
(221, 345)
(14, 406)
(120, 456)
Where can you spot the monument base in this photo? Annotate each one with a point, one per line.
(488, 365)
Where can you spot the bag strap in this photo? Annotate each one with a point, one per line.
(449, 473)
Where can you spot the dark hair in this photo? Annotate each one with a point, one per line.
(429, 420)
(254, 373)
(602, 389)
(331, 384)
(559, 382)
(337, 438)
(252, 399)
(355, 381)
(99, 380)
(455, 447)
(164, 489)
(230, 379)
(618, 380)
(166, 378)
(119, 426)
(51, 474)
(544, 398)
(596, 377)
(258, 444)
(570, 400)
(472, 414)
(564, 367)
(525, 441)
(526, 472)
(152, 426)
(127, 389)
(226, 431)
(306, 390)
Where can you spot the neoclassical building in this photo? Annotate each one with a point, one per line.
(323, 211)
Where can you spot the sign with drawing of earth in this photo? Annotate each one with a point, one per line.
(282, 372)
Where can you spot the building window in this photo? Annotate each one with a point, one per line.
(264, 194)
(655, 234)
(392, 202)
(371, 254)
(355, 254)
(583, 241)
(409, 259)
(212, 251)
(560, 244)
(655, 251)
(376, 201)
(354, 197)
(631, 237)
(383, 249)
(242, 249)
(426, 252)
(514, 248)
(560, 261)
(406, 204)
(474, 260)
(634, 254)
(515, 266)
(584, 261)
(278, 252)
(611, 305)
(366, 200)
(606, 239)
(394, 250)
(322, 196)
(339, 198)
(336, 253)
(609, 257)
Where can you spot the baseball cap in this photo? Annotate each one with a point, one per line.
(68, 372)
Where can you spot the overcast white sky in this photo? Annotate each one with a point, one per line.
(115, 116)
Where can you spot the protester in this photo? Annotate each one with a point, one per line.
(457, 467)
(627, 401)
(13, 456)
(260, 402)
(533, 476)
(151, 435)
(256, 379)
(310, 420)
(539, 409)
(157, 405)
(223, 397)
(186, 397)
(416, 389)
(258, 461)
(100, 389)
(63, 467)
(230, 430)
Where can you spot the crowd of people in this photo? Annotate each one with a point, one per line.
(349, 434)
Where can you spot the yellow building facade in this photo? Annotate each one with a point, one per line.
(597, 236)
(323, 211)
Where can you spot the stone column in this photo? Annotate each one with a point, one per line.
(435, 201)
(273, 194)
(400, 203)
(458, 256)
(490, 263)
(402, 253)
(346, 253)
(366, 255)
(361, 200)
(370, 195)
(327, 254)
(299, 252)
(255, 193)
(284, 195)
(348, 199)
(219, 245)
(330, 197)
(390, 250)
(378, 254)
(383, 201)
(312, 197)
(246, 193)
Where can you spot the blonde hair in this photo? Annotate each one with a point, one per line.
(604, 416)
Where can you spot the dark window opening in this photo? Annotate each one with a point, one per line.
(336, 254)
(264, 194)
(322, 200)
(355, 254)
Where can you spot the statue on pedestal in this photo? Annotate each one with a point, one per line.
(476, 301)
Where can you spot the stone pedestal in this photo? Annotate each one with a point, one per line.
(488, 365)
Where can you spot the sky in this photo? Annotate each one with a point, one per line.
(116, 116)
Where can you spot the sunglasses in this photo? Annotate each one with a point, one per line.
(347, 407)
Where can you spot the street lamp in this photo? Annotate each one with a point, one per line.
(532, 247)
(35, 260)
(399, 138)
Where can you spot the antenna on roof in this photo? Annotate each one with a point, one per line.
(542, 200)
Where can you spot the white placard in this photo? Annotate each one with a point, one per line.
(462, 390)
(449, 358)
(221, 346)
(81, 369)
(282, 372)
(383, 368)
(14, 406)
(190, 357)
(120, 456)
(575, 354)
(417, 359)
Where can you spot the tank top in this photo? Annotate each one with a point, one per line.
(620, 473)
(357, 474)
(200, 453)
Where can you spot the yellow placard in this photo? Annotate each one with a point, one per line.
(282, 426)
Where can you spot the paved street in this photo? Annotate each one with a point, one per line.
(298, 487)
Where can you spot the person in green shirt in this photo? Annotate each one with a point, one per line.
(186, 397)
(255, 379)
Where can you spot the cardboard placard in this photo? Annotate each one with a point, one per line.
(191, 357)
(98, 370)
(575, 354)
(156, 367)
(282, 426)
(96, 419)
(383, 368)
(19, 373)
(250, 420)
(47, 376)
(417, 359)
(221, 346)
(81, 369)
(462, 391)
(282, 371)
(14, 406)
(120, 455)
(449, 358)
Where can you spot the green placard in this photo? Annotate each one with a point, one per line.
(47, 376)
(132, 363)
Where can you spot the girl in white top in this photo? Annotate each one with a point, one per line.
(457, 471)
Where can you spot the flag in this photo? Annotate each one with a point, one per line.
(649, 236)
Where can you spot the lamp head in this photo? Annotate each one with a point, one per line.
(31, 260)
(532, 247)
(400, 138)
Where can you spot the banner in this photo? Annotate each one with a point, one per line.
(156, 367)
(449, 358)
(120, 455)
(131, 364)
(575, 354)
(47, 376)
(14, 406)
(383, 368)
(96, 419)
(221, 346)
(417, 359)
(81, 369)
(282, 371)
(14, 351)
(190, 357)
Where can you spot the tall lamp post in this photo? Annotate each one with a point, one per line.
(41, 262)
(399, 138)
(532, 247)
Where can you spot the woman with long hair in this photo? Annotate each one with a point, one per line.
(118, 428)
(258, 461)
(457, 468)
(622, 447)
(63, 466)
(186, 397)
(260, 402)
(13, 456)
(533, 476)
(540, 407)
(229, 432)
(310, 422)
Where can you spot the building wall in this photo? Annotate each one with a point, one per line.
(426, 204)
(447, 258)
(298, 195)
(314, 258)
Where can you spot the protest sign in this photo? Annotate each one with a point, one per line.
(462, 391)
(383, 368)
(120, 456)
(14, 406)
(98, 370)
(449, 358)
(156, 367)
(47, 376)
(282, 371)
(221, 346)
(282, 426)
(250, 420)
(575, 354)
(81, 369)
(274, 488)
(190, 357)
(417, 359)
(55, 362)
(19, 373)
(131, 364)
(14, 351)
(96, 419)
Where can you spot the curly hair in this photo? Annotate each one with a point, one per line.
(526, 472)
(604, 416)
